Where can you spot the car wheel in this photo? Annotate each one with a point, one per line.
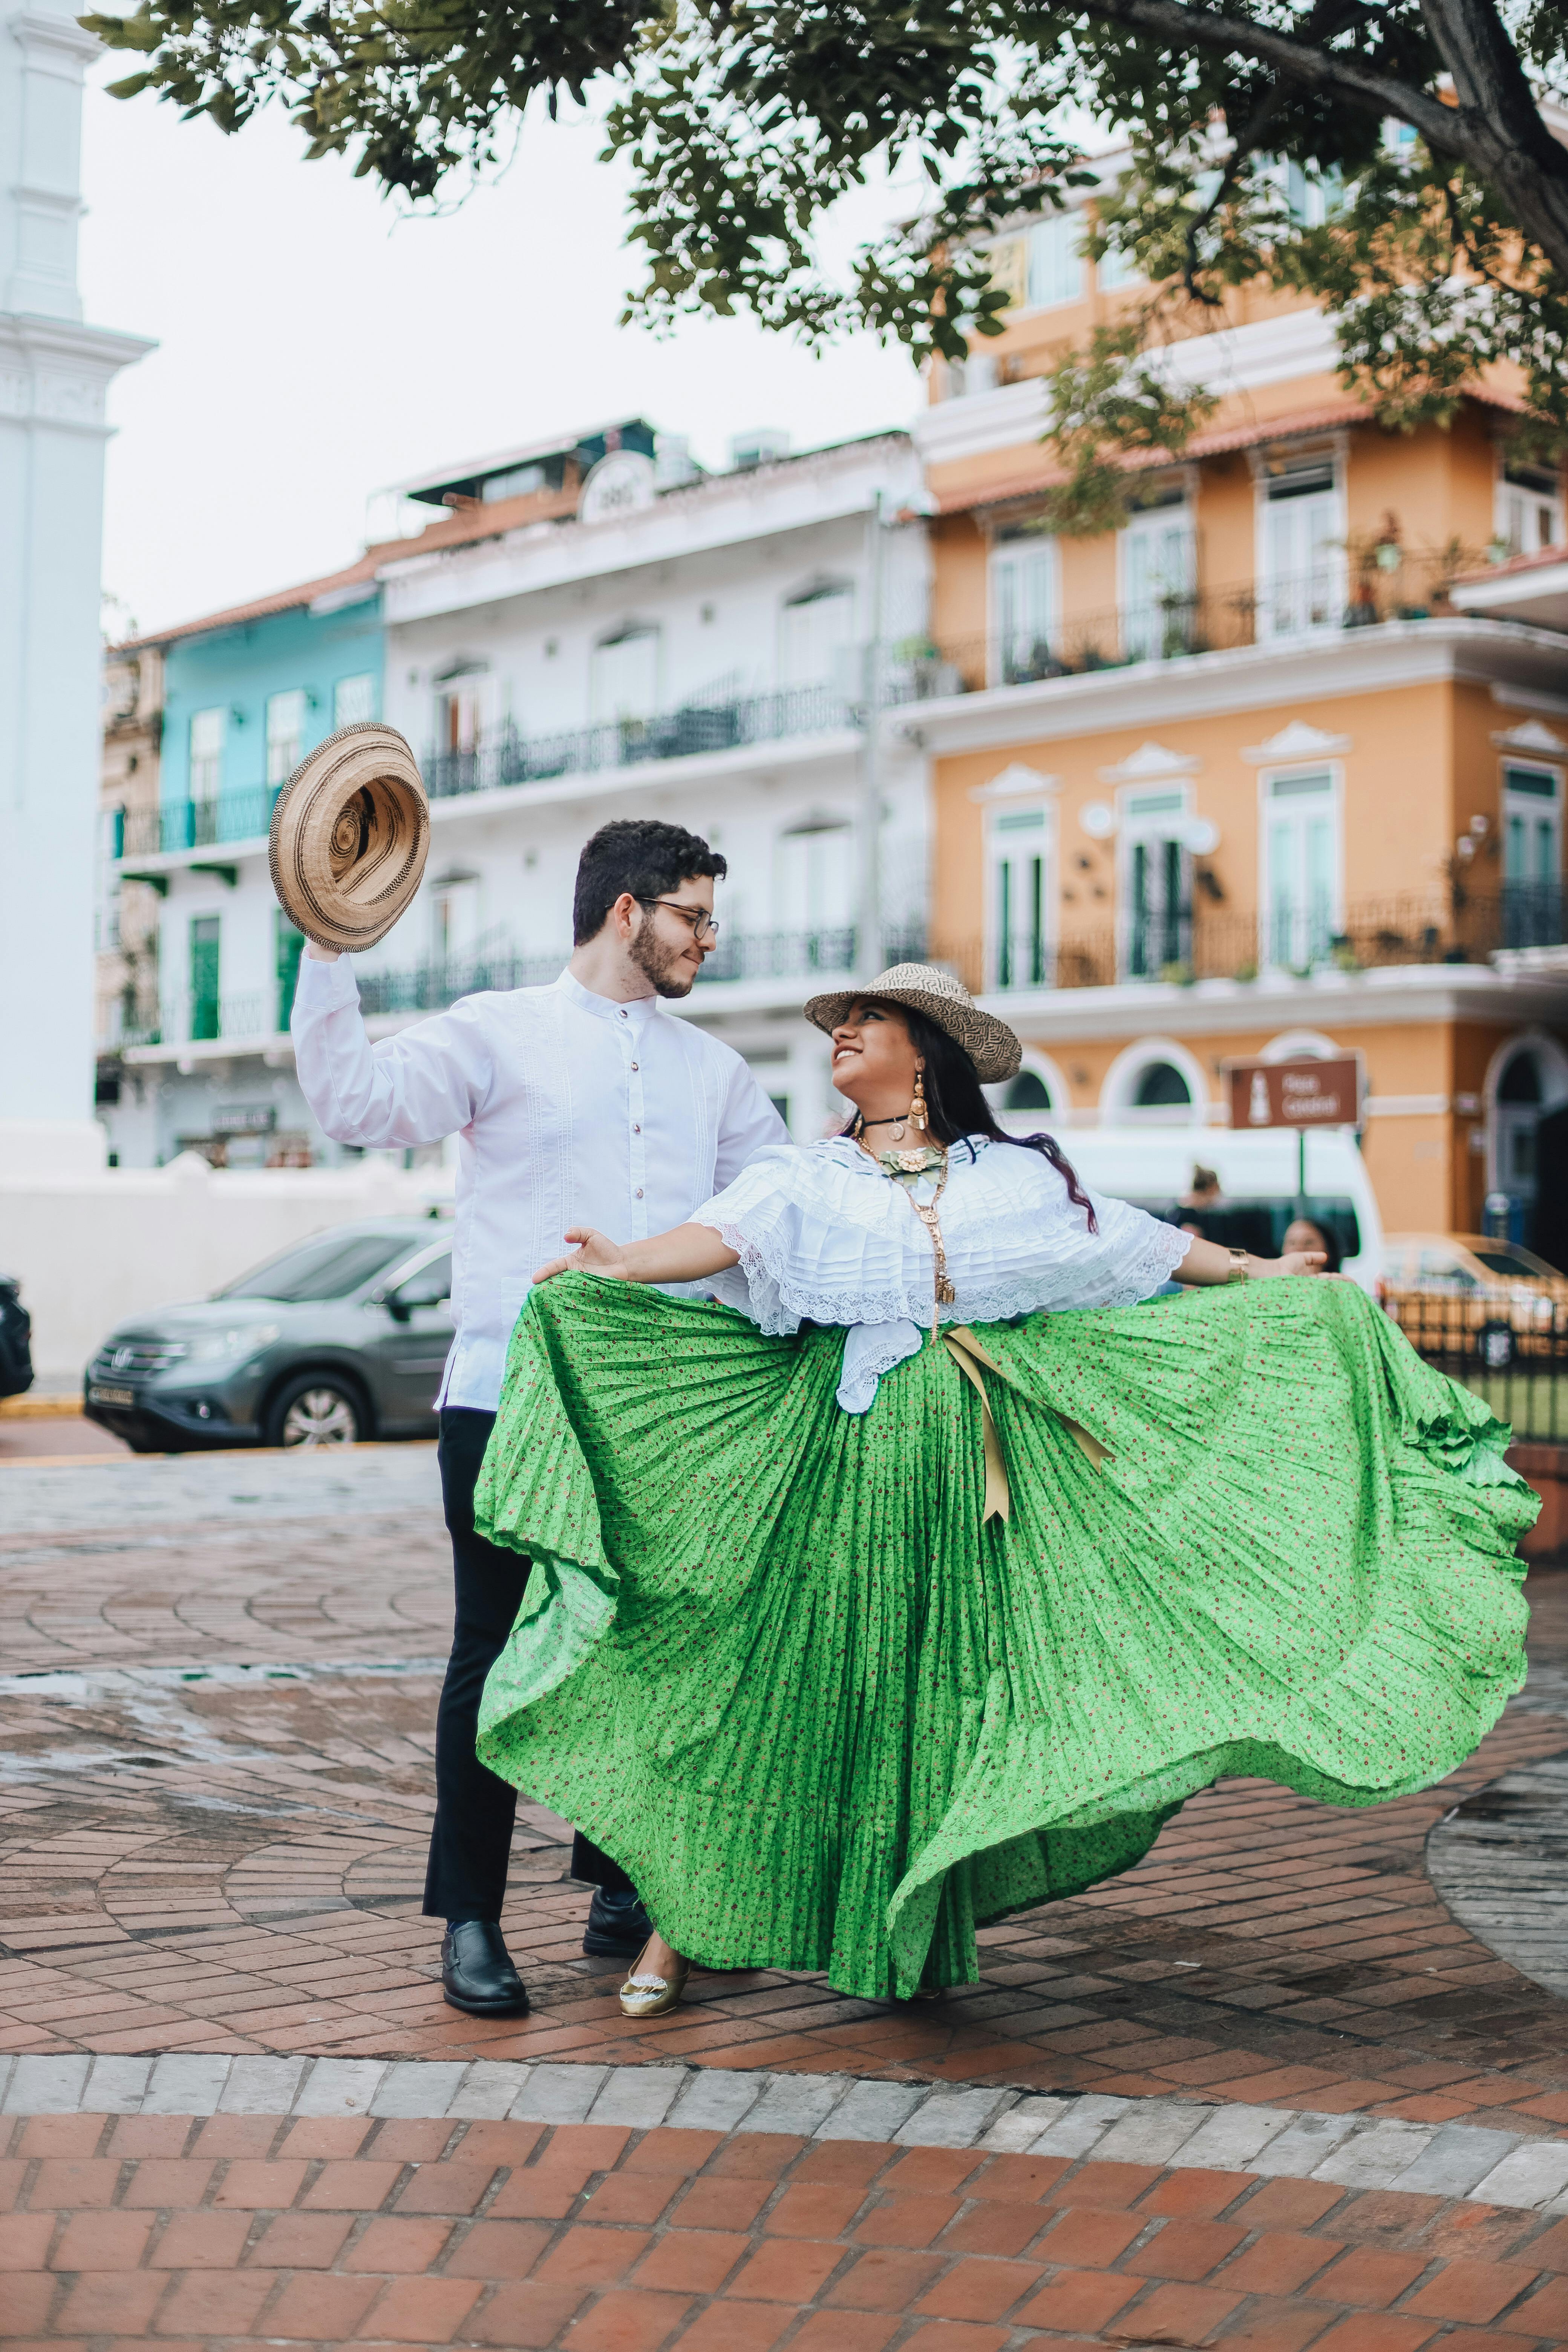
(316, 1409)
(1495, 1346)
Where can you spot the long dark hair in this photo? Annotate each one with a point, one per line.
(956, 1107)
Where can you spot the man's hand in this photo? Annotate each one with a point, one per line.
(594, 1254)
(322, 955)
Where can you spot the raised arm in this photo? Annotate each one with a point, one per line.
(685, 1254)
(424, 1084)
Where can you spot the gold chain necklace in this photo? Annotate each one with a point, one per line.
(905, 1170)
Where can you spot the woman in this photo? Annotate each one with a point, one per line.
(889, 1592)
(1301, 1234)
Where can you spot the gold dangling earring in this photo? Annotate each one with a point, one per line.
(918, 1107)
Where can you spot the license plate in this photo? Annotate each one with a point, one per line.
(111, 1396)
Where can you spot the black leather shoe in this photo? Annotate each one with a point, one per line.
(476, 1973)
(618, 1926)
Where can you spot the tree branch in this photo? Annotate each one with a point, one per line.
(1533, 177)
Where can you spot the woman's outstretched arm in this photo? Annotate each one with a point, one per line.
(685, 1254)
(1206, 1263)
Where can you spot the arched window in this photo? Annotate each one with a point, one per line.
(1161, 1086)
(1028, 1091)
(1521, 1081)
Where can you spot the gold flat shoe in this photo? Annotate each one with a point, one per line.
(646, 1995)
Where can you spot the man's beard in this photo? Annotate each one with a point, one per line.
(660, 964)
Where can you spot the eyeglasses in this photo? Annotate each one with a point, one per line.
(703, 925)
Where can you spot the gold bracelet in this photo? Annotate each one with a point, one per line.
(1238, 1267)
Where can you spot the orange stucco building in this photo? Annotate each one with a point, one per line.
(1264, 771)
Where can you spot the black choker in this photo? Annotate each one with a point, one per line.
(899, 1119)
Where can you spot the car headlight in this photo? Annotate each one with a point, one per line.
(240, 1342)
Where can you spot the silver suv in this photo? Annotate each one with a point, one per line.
(342, 1337)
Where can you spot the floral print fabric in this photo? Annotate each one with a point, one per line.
(772, 1662)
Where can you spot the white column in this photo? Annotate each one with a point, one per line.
(54, 374)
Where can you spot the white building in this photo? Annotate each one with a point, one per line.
(594, 630)
(53, 372)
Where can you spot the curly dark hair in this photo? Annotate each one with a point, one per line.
(956, 1107)
(639, 854)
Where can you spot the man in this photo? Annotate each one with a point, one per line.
(582, 1103)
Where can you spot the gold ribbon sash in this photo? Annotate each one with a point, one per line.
(969, 1356)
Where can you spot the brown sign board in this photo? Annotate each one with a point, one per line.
(1296, 1094)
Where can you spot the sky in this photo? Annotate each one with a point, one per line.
(313, 346)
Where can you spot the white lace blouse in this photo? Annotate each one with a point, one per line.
(824, 1237)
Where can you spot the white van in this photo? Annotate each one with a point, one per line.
(1258, 1173)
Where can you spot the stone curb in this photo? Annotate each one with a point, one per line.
(1355, 2151)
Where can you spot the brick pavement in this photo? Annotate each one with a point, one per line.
(232, 1862)
(230, 2229)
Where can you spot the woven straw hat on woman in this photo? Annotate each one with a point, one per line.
(350, 836)
(926, 988)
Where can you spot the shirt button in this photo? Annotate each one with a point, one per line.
(623, 1012)
(639, 1192)
(636, 1128)
(634, 1065)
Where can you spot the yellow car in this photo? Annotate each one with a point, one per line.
(1468, 1295)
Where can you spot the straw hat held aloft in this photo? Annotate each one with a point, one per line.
(351, 832)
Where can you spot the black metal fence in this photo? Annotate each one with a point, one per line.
(804, 956)
(1510, 1347)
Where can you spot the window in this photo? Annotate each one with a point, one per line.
(204, 976)
(1532, 856)
(1156, 894)
(331, 1267)
(816, 633)
(1161, 1086)
(1301, 545)
(813, 880)
(624, 683)
(354, 701)
(1528, 509)
(1056, 260)
(1022, 609)
(1028, 1091)
(1116, 268)
(284, 734)
(206, 760)
(288, 945)
(1300, 850)
(455, 911)
(515, 483)
(1157, 565)
(1021, 901)
(458, 721)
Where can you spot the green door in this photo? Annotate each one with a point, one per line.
(204, 976)
(289, 946)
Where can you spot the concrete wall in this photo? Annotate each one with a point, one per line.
(92, 1250)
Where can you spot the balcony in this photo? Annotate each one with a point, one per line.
(186, 1019)
(506, 757)
(1191, 946)
(806, 957)
(1283, 611)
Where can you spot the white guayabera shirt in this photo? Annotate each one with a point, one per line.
(823, 1236)
(568, 1110)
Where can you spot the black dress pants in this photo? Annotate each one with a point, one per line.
(471, 1843)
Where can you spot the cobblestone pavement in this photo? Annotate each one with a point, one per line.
(215, 1796)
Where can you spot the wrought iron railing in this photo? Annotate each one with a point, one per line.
(1337, 595)
(506, 756)
(193, 1020)
(805, 956)
(1437, 928)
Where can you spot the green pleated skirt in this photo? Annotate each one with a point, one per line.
(774, 1661)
